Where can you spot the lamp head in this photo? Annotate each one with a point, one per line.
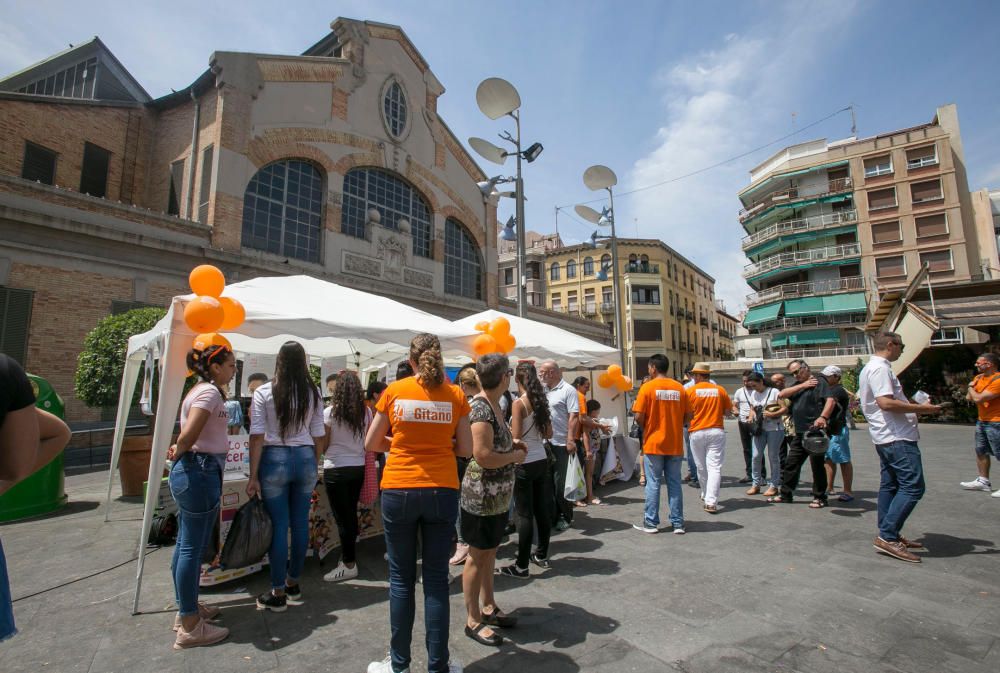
(607, 217)
(508, 233)
(532, 152)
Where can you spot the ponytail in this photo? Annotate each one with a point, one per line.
(528, 378)
(200, 362)
(425, 350)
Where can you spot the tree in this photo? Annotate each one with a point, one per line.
(102, 361)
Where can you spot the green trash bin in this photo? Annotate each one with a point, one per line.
(42, 492)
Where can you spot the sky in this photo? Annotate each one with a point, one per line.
(656, 90)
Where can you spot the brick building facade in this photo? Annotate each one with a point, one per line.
(333, 163)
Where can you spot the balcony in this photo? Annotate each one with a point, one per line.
(805, 353)
(820, 320)
(689, 316)
(590, 309)
(607, 307)
(725, 334)
(792, 194)
(791, 260)
(715, 327)
(787, 227)
(642, 267)
(703, 322)
(792, 290)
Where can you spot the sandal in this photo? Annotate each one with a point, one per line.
(845, 497)
(499, 618)
(579, 503)
(776, 499)
(817, 504)
(595, 501)
(476, 634)
(642, 481)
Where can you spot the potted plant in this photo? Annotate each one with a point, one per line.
(98, 384)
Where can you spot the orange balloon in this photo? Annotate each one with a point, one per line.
(614, 371)
(483, 326)
(484, 344)
(506, 343)
(207, 280)
(624, 383)
(234, 312)
(500, 327)
(203, 341)
(604, 380)
(204, 314)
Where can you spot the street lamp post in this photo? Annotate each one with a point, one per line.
(595, 178)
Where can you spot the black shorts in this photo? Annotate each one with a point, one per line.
(483, 532)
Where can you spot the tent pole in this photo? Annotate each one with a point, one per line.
(130, 376)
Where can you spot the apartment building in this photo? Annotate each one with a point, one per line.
(725, 325)
(667, 302)
(831, 226)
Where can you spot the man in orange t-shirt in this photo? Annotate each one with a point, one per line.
(708, 404)
(984, 390)
(660, 408)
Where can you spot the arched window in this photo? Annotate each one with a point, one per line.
(554, 271)
(588, 266)
(394, 199)
(463, 273)
(571, 268)
(605, 261)
(394, 109)
(283, 210)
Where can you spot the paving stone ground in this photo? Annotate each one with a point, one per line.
(756, 588)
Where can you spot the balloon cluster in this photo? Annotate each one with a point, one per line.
(210, 312)
(495, 337)
(613, 378)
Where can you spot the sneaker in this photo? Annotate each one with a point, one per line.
(293, 592)
(896, 549)
(513, 571)
(540, 561)
(208, 613)
(385, 666)
(341, 573)
(203, 634)
(996, 494)
(562, 524)
(977, 484)
(679, 531)
(268, 601)
(646, 528)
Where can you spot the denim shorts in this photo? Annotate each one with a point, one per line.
(988, 438)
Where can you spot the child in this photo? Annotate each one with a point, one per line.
(592, 444)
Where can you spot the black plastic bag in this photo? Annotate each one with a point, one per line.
(249, 537)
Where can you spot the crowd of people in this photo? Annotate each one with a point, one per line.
(459, 466)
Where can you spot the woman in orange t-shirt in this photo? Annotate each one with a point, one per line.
(429, 420)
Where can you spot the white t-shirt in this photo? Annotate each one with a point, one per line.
(346, 449)
(264, 420)
(531, 437)
(742, 399)
(563, 401)
(877, 380)
(762, 399)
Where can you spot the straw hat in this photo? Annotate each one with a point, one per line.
(701, 368)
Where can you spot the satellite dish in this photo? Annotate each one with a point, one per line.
(588, 213)
(599, 177)
(497, 97)
(488, 150)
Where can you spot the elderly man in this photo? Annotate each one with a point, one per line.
(892, 423)
(564, 406)
(812, 406)
(984, 391)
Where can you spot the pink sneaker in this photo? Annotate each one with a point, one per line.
(206, 612)
(203, 634)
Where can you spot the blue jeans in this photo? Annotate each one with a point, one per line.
(196, 486)
(988, 438)
(7, 628)
(427, 513)
(287, 479)
(901, 488)
(767, 442)
(692, 467)
(660, 469)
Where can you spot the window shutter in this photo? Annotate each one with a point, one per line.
(15, 319)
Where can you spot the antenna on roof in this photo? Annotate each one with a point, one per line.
(854, 122)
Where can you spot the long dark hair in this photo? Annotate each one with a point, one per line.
(200, 361)
(295, 395)
(348, 405)
(528, 378)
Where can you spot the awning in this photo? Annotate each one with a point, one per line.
(759, 314)
(854, 302)
(803, 306)
(779, 341)
(800, 171)
(818, 336)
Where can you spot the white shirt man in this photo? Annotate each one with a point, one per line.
(564, 407)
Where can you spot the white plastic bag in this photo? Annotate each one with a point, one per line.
(576, 484)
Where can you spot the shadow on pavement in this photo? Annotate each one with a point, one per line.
(510, 657)
(72, 507)
(710, 526)
(949, 546)
(742, 503)
(591, 525)
(561, 624)
(581, 566)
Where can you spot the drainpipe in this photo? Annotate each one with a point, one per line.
(189, 200)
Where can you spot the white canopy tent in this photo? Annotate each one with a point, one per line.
(328, 319)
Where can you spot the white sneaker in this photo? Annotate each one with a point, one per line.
(341, 573)
(996, 494)
(679, 531)
(652, 530)
(977, 484)
(384, 666)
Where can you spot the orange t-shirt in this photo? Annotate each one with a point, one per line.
(709, 404)
(662, 403)
(583, 412)
(988, 411)
(423, 423)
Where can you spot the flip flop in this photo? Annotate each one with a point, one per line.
(844, 497)
(817, 504)
(776, 499)
(595, 501)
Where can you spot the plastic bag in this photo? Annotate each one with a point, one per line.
(576, 484)
(249, 537)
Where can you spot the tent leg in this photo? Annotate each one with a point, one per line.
(129, 378)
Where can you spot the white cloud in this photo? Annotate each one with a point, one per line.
(717, 104)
